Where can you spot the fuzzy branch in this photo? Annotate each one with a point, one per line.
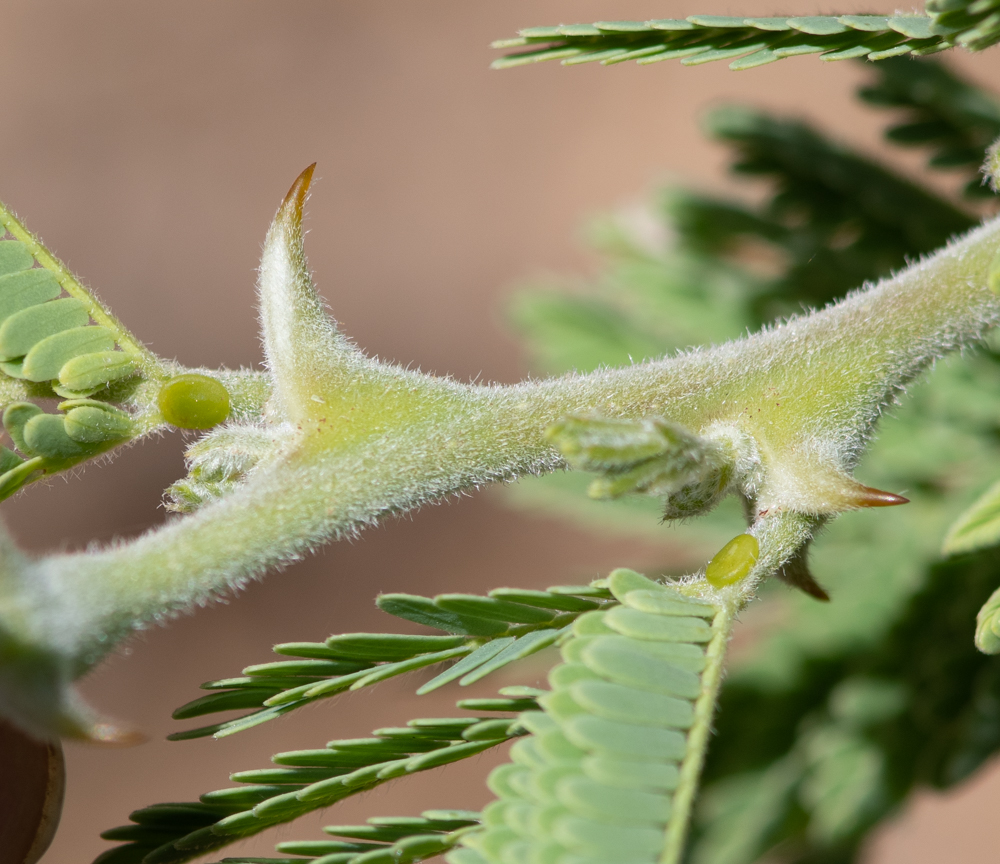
(353, 440)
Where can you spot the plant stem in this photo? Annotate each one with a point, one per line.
(385, 440)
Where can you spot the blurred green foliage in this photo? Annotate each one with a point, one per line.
(836, 712)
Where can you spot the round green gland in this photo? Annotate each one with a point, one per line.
(193, 401)
(733, 562)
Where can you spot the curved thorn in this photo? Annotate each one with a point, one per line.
(795, 573)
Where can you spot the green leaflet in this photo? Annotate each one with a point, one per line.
(86, 373)
(387, 646)
(523, 647)
(424, 611)
(493, 609)
(46, 358)
(20, 331)
(393, 669)
(589, 799)
(14, 258)
(626, 774)
(612, 765)
(551, 599)
(656, 628)
(228, 700)
(305, 668)
(312, 650)
(467, 664)
(19, 291)
(487, 730)
(631, 705)
(96, 424)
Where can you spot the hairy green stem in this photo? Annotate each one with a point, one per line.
(339, 441)
(807, 393)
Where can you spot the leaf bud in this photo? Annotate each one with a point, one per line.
(651, 456)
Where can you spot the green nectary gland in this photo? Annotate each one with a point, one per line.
(194, 401)
(733, 562)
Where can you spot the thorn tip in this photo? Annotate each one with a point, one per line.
(866, 496)
(296, 198)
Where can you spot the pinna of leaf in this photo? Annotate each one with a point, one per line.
(752, 42)
(487, 634)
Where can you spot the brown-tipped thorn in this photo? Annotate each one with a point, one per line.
(795, 573)
(865, 496)
(296, 198)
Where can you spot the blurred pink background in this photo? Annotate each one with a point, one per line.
(149, 145)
